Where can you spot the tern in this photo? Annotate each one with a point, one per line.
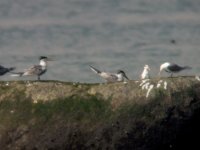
(172, 68)
(35, 70)
(111, 77)
(145, 73)
(4, 70)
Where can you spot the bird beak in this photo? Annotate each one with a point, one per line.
(126, 77)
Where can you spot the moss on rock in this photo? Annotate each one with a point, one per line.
(138, 115)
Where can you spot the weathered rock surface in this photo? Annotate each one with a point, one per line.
(140, 115)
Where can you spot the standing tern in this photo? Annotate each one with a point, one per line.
(35, 70)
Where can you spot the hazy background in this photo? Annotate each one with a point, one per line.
(108, 34)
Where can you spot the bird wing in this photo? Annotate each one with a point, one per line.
(109, 77)
(1, 67)
(3, 70)
(34, 70)
(174, 68)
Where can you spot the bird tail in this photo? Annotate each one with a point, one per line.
(187, 67)
(11, 69)
(95, 70)
(16, 74)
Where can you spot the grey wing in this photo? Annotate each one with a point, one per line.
(34, 70)
(112, 78)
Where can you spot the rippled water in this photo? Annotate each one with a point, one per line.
(108, 34)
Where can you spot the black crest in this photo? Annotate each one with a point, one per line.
(42, 57)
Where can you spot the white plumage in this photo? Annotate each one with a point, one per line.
(145, 73)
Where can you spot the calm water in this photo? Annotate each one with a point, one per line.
(108, 34)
